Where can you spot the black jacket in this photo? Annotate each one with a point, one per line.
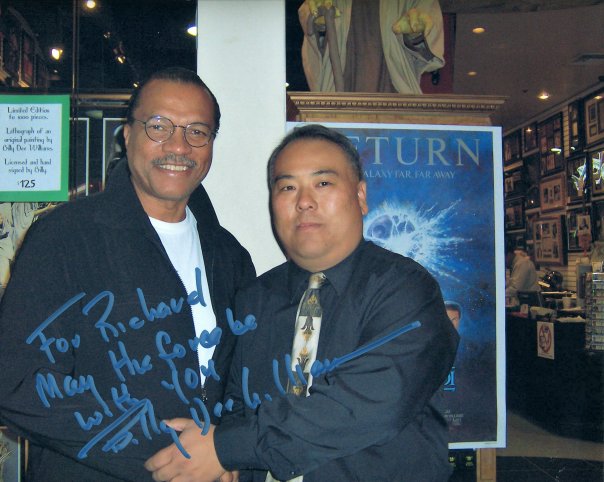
(96, 325)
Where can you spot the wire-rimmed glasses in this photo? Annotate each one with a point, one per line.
(160, 129)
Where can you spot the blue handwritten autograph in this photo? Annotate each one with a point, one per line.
(318, 368)
(134, 412)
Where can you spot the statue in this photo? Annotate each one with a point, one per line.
(381, 45)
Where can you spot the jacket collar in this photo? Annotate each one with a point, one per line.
(126, 211)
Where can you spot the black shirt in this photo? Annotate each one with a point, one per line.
(373, 417)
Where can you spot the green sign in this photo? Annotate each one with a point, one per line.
(34, 147)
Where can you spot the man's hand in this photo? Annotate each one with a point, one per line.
(413, 22)
(170, 464)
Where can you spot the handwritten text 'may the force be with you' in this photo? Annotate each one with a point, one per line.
(117, 434)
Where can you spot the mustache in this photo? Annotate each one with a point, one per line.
(174, 159)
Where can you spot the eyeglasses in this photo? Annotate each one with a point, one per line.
(160, 129)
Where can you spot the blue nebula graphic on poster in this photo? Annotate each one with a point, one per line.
(433, 196)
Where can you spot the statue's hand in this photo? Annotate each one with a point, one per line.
(317, 9)
(413, 22)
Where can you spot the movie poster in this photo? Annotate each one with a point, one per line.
(435, 195)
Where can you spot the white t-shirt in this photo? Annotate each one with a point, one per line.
(181, 241)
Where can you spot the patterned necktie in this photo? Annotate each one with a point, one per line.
(306, 338)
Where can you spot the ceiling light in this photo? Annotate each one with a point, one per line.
(478, 30)
(56, 53)
(90, 4)
(543, 95)
(598, 97)
(192, 30)
(472, 73)
(556, 150)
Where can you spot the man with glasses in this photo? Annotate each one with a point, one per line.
(115, 315)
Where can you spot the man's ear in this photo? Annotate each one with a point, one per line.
(126, 134)
(362, 195)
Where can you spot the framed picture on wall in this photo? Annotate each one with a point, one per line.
(530, 221)
(594, 119)
(551, 148)
(553, 192)
(575, 127)
(577, 179)
(578, 229)
(532, 171)
(513, 183)
(511, 148)
(548, 241)
(597, 220)
(514, 214)
(596, 159)
(529, 138)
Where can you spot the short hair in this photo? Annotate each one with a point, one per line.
(453, 305)
(317, 132)
(173, 74)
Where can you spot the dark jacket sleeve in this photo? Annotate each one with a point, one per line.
(35, 352)
(365, 401)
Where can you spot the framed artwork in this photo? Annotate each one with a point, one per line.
(597, 220)
(530, 221)
(594, 118)
(513, 183)
(553, 192)
(529, 138)
(548, 241)
(514, 214)
(532, 173)
(596, 158)
(575, 127)
(511, 148)
(577, 179)
(12, 456)
(551, 149)
(578, 229)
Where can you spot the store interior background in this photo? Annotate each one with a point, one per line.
(528, 47)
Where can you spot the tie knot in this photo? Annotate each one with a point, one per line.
(316, 280)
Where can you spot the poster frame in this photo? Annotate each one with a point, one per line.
(497, 223)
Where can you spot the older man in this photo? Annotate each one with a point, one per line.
(379, 317)
(115, 315)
